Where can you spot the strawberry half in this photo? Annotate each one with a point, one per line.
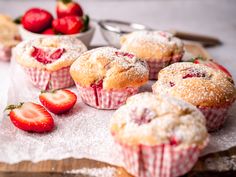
(58, 101)
(68, 25)
(36, 20)
(211, 63)
(67, 8)
(31, 117)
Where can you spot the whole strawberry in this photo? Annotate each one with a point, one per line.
(36, 20)
(67, 8)
(68, 25)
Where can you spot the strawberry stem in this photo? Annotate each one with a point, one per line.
(197, 58)
(11, 106)
(65, 1)
(17, 20)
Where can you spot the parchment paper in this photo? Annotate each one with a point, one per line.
(82, 133)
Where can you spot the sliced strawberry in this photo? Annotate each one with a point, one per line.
(68, 8)
(68, 25)
(31, 117)
(46, 58)
(57, 54)
(194, 74)
(58, 101)
(124, 54)
(49, 31)
(211, 63)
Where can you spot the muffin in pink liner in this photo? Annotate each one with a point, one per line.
(158, 48)
(158, 136)
(210, 90)
(47, 60)
(106, 77)
(9, 37)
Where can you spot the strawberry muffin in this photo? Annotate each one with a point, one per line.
(106, 77)
(158, 48)
(158, 136)
(47, 60)
(9, 37)
(210, 90)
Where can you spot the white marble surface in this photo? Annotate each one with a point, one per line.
(210, 17)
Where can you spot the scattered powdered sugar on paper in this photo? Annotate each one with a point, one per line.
(94, 172)
(82, 133)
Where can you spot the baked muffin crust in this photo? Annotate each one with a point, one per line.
(149, 119)
(152, 45)
(117, 69)
(197, 84)
(72, 47)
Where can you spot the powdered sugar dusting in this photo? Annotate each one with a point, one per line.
(115, 56)
(116, 68)
(73, 49)
(159, 37)
(94, 172)
(167, 117)
(196, 83)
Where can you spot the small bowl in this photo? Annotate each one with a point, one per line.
(85, 37)
(112, 30)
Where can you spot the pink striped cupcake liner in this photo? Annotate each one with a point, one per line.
(46, 80)
(5, 53)
(156, 65)
(105, 99)
(215, 116)
(164, 160)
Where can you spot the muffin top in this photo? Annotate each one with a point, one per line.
(50, 53)
(116, 69)
(9, 35)
(149, 119)
(152, 45)
(197, 84)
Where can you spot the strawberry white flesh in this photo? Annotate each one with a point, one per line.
(59, 101)
(32, 117)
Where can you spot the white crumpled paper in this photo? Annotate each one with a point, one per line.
(82, 133)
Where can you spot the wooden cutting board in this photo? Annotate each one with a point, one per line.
(225, 162)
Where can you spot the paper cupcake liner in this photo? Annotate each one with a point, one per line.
(5, 53)
(164, 160)
(215, 116)
(44, 80)
(156, 65)
(104, 99)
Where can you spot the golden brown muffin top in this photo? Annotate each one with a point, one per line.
(196, 83)
(152, 45)
(117, 69)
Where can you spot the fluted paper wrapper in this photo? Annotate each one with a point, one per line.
(81, 133)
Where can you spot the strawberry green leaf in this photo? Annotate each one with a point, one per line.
(86, 20)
